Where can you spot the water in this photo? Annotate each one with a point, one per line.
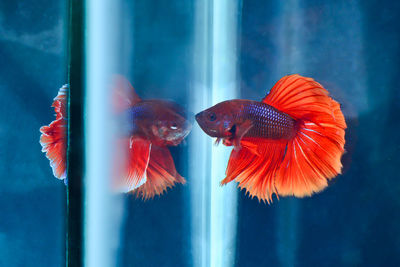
(198, 53)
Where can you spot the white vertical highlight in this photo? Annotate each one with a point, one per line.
(199, 143)
(213, 221)
(103, 211)
(224, 87)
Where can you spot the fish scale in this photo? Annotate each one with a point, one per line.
(268, 122)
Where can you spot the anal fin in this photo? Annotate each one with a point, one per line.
(255, 166)
(132, 173)
(161, 173)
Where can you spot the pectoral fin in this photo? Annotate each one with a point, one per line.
(241, 130)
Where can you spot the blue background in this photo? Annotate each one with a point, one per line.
(351, 47)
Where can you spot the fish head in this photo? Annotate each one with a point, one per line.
(219, 120)
(171, 124)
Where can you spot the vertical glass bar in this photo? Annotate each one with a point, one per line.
(102, 213)
(224, 87)
(213, 221)
(199, 143)
(75, 153)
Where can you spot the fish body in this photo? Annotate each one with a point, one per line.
(252, 118)
(162, 122)
(290, 143)
(146, 128)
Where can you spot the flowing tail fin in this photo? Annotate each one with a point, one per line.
(53, 137)
(300, 166)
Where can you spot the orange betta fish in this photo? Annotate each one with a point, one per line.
(290, 143)
(148, 168)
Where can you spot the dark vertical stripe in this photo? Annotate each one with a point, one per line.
(75, 150)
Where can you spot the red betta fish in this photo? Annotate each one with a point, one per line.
(290, 143)
(148, 168)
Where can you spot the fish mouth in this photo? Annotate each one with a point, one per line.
(198, 117)
(203, 125)
(199, 120)
(187, 129)
(181, 135)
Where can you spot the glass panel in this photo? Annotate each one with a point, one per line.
(32, 201)
(152, 49)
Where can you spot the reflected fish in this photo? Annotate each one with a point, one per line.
(147, 127)
(288, 144)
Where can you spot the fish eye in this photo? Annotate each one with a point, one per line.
(174, 126)
(212, 116)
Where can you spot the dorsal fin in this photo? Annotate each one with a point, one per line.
(298, 97)
(124, 95)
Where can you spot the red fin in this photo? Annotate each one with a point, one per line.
(251, 144)
(135, 164)
(53, 137)
(124, 95)
(302, 165)
(161, 174)
(253, 172)
(313, 157)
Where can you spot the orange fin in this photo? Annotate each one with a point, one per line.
(255, 168)
(304, 164)
(313, 157)
(135, 163)
(123, 95)
(161, 174)
(53, 137)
